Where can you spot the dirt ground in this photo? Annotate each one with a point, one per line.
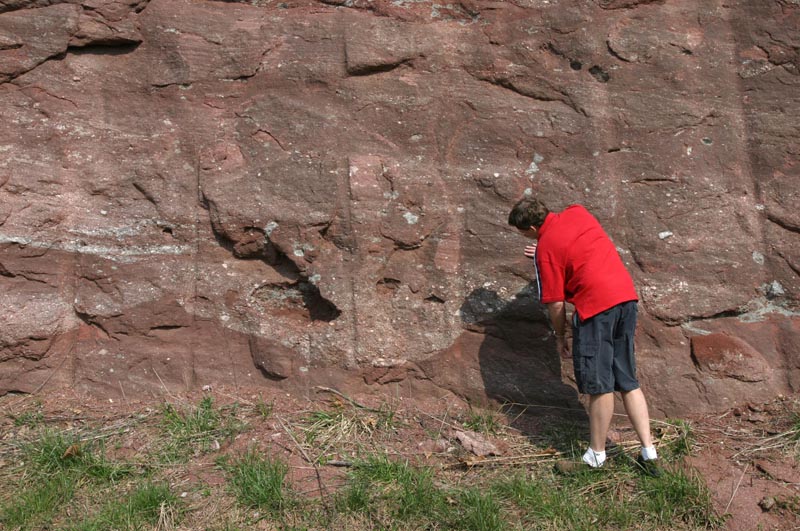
(750, 466)
(748, 455)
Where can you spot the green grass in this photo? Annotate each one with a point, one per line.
(386, 418)
(57, 452)
(67, 480)
(679, 446)
(403, 491)
(35, 506)
(616, 498)
(263, 408)
(675, 497)
(353, 499)
(137, 510)
(227, 526)
(56, 466)
(342, 422)
(259, 482)
(794, 428)
(320, 422)
(386, 491)
(193, 430)
(31, 419)
(481, 511)
(482, 421)
(566, 435)
(545, 503)
(49, 453)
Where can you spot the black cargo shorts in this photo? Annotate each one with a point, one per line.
(602, 350)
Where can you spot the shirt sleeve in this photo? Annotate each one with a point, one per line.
(551, 281)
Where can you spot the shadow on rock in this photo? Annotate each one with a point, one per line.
(519, 365)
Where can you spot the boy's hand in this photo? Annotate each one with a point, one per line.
(530, 250)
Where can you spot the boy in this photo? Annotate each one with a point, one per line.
(576, 262)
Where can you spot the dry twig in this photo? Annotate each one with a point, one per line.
(314, 463)
(736, 489)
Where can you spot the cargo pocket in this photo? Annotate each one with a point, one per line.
(585, 367)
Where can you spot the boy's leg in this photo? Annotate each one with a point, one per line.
(636, 408)
(601, 409)
(625, 373)
(593, 359)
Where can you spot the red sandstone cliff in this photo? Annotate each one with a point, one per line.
(274, 192)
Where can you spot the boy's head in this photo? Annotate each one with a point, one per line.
(527, 213)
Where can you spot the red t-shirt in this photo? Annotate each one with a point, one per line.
(577, 262)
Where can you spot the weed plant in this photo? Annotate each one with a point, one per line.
(260, 482)
(192, 430)
(346, 423)
(263, 408)
(482, 421)
(679, 446)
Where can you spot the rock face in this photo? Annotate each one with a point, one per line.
(258, 192)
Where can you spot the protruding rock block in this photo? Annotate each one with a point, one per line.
(724, 356)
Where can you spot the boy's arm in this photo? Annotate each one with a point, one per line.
(558, 318)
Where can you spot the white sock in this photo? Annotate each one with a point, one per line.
(594, 459)
(649, 453)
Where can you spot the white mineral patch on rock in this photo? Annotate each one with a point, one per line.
(534, 167)
(116, 253)
(411, 218)
(271, 226)
(775, 289)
